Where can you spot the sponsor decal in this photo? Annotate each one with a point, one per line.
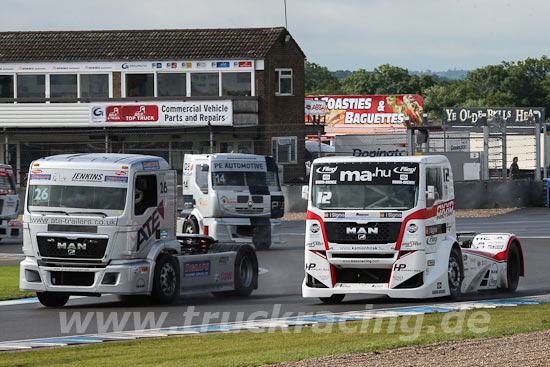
(377, 173)
(150, 165)
(151, 225)
(245, 64)
(221, 64)
(445, 210)
(87, 177)
(430, 262)
(391, 215)
(436, 229)
(326, 169)
(14, 223)
(140, 283)
(399, 267)
(36, 171)
(196, 268)
(310, 266)
(361, 230)
(224, 259)
(226, 275)
(163, 234)
(41, 177)
(231, 165)
(71, 247)
(98, 114)
(315, 244)
(314, 228)
(411, 244)
(116, 179)
(335, 215)
(121, 173)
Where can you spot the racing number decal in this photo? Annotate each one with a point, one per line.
(163, 188)
(41, 194)
(324, 197)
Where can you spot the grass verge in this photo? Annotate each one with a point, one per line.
(9, 284)
(248, 348)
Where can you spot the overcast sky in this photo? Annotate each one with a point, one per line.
(339, 34)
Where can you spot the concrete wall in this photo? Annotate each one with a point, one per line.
(499, 194)
(468, 195)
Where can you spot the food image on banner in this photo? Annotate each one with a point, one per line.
(371, 114)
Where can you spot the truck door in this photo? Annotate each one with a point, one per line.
(147, 211)
(436, 226)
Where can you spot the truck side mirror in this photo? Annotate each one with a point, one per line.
(430, 195)
(305, 192)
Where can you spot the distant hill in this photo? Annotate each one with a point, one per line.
(449, 74)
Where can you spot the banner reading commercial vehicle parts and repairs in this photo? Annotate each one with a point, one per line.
(371, 114)
(184, 114)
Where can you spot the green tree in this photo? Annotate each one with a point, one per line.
(319, 80)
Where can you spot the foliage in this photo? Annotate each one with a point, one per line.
(508, 84)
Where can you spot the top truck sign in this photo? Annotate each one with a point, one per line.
(370, 114)
(187, 114)
(510, 116)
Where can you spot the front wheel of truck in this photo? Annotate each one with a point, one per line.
(50, 299)
(166, 281)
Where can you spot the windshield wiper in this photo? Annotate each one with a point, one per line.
(96, 213)
(51, 212)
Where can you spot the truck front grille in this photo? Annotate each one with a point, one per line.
(350, 275)
(84, 279)
(83, 248)
(249, 210)
(362, 233)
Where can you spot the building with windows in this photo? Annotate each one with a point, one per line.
(161, 92)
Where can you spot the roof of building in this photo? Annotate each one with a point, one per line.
(122, 45)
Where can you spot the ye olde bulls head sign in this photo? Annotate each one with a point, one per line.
(509, 116)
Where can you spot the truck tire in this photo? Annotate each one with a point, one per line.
(50, 299)
(166, 281)
(513, 268)
(333, 300)
(245, 273)
(190, 226)
(455, 273)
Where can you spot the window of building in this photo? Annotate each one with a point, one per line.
(140, 85)
(284, 81)
(145, 195)
(284, 149)
(205, 84)
(171, 84)
(94, 85)
(6, 86)
(236, 84)
(31, 86)
(63, 86)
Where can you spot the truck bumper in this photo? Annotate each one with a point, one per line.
(240, 229)
(122, 277)
(424, 291)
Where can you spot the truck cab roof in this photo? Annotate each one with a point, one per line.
(102, 161)
(434, 159)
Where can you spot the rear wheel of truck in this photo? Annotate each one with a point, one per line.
(50, 299)
(190, 226)
(455, 273)
(245, 273)
(332, 300)
(513, 270)
(166, 281)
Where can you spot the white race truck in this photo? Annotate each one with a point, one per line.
(386, 226)
(233, 198)
(9, 204)
(98, 224)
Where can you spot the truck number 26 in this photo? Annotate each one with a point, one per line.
(324, 197)
(163, 188)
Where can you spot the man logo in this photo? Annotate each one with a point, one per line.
(362, 230)
(71, 247)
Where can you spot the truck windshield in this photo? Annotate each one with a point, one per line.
(236, 178)
(365, 185)
(7, 184)
(81, 197)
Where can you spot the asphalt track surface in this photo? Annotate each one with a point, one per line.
(279, 289)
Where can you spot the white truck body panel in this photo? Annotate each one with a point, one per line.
(373, 228)
(233, 196)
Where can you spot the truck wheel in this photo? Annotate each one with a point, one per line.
(262, 246)
(166, 281)
(50, 299)
(513, 268)
(245, 273)
(332, 300)
(190, 226)
(455, 273)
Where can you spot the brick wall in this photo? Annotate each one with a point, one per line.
(282, 115)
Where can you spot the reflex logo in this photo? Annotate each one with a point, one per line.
(326, 169)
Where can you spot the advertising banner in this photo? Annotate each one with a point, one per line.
(182, 114)
(510, 116)
(370, 114)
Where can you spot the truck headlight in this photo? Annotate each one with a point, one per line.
(413, 228)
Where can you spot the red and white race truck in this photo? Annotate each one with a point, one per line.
(386, 225)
